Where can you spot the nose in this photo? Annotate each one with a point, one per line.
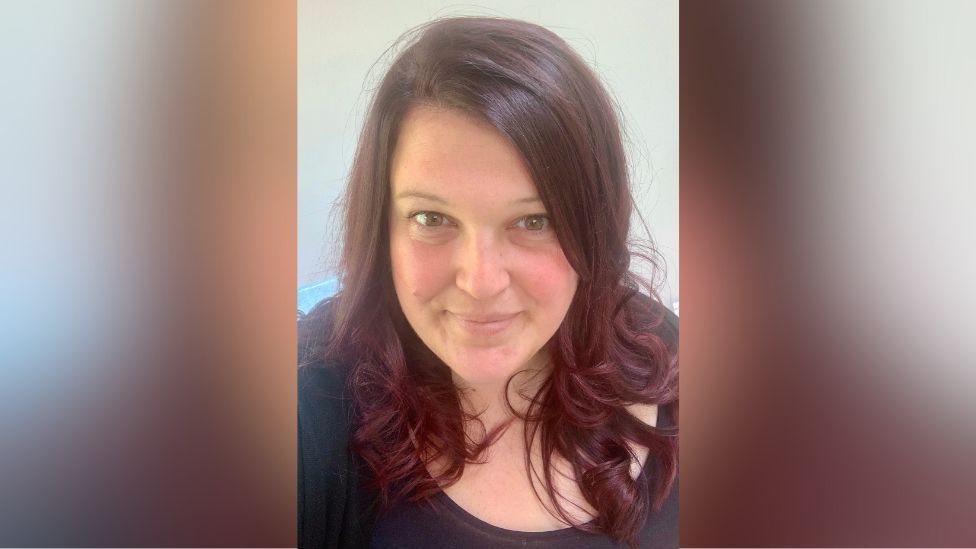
(482, 270)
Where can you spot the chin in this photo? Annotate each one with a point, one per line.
(484, 365)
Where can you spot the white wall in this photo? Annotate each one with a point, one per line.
(633, 45)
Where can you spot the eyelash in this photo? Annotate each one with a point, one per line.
(445, 219)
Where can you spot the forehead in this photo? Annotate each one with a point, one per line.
(464, 159)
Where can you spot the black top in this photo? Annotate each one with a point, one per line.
(335, 509)
(446, 524)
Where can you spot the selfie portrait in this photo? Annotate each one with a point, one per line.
(488, 283)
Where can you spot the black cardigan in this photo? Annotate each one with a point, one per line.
(334, 509)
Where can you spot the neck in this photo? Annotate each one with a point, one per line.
(494, 401)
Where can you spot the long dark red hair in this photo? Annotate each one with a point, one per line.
(607, 354)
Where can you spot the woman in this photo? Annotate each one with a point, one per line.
(488, 375)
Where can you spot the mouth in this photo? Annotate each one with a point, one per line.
(484, 325)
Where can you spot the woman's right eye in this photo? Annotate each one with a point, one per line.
(428, 219)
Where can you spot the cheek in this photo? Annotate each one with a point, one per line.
(420, 271)
(551, 282)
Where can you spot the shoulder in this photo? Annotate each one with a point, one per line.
(334, 510)
(323, 420)
(321, 382)
(663, 323)
(315, 331)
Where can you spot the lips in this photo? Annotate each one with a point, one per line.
(484, 325)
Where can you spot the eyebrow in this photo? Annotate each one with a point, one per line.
(434, 198)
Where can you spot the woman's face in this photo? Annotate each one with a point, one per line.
(477, 267)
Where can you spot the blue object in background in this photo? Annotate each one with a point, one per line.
(312, 293)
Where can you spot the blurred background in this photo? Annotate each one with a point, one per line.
(147, 274)
(344, 51)
(827, 352)
(148, 250)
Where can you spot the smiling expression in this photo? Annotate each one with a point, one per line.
(477, 268)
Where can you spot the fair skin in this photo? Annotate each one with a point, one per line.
(483, 281)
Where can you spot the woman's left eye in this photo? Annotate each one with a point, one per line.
(533, 223)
